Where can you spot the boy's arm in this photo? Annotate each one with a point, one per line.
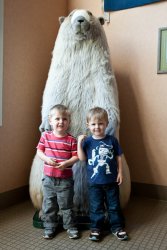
(49, 161)
(120, 174)
(81, 154)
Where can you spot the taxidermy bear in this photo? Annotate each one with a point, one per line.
(80, 77)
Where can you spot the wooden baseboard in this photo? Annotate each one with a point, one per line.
(13, 197)
(149, 190)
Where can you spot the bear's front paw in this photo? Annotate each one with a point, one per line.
(45, 126)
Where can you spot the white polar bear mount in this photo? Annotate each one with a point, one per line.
(80, 77)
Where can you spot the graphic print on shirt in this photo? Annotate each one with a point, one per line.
(101, 157)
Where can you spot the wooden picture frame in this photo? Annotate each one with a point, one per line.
(162, 51)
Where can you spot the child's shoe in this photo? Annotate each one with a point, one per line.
(121, 235)
(73, 233)
(94, 235)
(49, 233)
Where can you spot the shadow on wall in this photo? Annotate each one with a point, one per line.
(131, 132)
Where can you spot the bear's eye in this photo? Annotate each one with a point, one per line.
(90, 14)
(71, 13)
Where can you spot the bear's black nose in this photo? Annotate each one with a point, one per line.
(80, 19)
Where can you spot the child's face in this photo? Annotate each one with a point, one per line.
(59, 122)
(97, 127)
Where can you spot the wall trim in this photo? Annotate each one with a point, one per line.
(149, 190)
(137, 189)
(13, 197)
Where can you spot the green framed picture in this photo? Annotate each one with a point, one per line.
(162, 51)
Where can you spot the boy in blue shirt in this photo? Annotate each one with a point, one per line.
(104, 172)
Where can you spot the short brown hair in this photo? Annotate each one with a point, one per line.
(61, 108)
(98, 113)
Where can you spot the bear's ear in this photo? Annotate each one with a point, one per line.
(61, 19)
(101, 20)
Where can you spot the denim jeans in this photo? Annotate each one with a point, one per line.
(105, 198)
(58, 195)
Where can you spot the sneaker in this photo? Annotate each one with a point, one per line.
(73, 233)
(49, 233)
(94, 235)
(121, 235)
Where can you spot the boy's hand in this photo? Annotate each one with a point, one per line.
(62, 165)
(51, 161)
(81, 138)
(119, 178)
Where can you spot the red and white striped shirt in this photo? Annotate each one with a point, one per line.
(60, 148)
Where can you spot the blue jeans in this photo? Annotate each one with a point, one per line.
(104, 198)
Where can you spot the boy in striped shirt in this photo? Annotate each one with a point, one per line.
(58, 150)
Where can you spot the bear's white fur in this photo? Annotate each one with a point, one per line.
(80, 77)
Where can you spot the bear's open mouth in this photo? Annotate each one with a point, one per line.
(79, 32)
(80, 35)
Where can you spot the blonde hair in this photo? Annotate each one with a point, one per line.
(97, 113)
(61, 108)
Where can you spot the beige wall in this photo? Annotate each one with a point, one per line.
(30, 29)
(133, 39)
(30, 32)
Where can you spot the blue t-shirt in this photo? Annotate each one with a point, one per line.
(101, 159)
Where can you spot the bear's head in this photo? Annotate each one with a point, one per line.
(82, 24)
